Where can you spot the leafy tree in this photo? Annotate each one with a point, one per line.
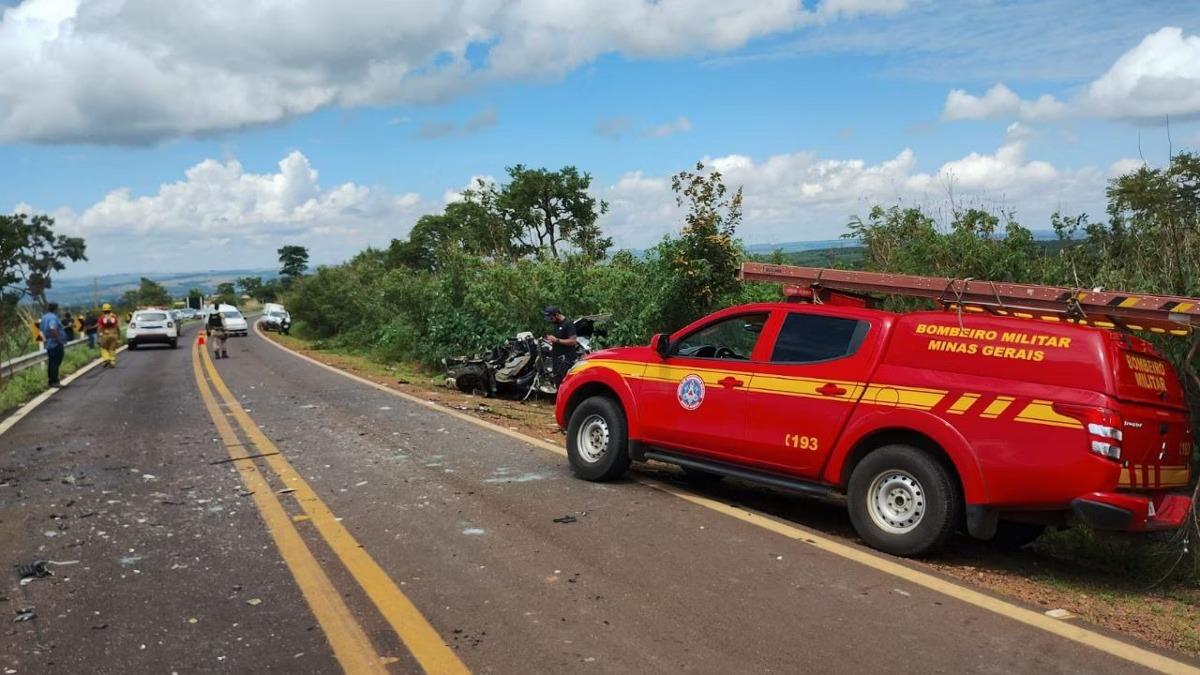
(701, 263)
(977, 244)
(555, 208)
(152, 294)
(226, 293)
(30, 253)
(293, 263)
(269, 291)
(195, 298)
(251, 286)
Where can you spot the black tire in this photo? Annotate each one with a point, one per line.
(916, 514)
(472, 379)
(701, 478)
(1012, 536)
(132, 345)
(603, 456)
(174, 344)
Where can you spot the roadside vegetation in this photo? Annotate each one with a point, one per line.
(25, 385)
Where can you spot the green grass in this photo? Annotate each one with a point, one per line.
(1160, 561)
(23, 387)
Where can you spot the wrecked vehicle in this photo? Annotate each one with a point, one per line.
(519, 367)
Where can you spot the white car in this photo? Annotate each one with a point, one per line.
(235, 323)
(152, 326)
(275, 318)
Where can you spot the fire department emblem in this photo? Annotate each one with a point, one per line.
(690, 392)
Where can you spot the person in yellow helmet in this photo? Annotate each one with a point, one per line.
(110, 335)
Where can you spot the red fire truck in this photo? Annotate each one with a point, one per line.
(1019, 407)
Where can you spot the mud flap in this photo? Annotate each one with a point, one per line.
(982, 521)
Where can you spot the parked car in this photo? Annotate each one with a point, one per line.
(926, 421)
(152, 326)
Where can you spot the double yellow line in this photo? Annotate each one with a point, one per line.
(346, 637)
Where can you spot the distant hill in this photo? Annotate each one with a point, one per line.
(109, 287)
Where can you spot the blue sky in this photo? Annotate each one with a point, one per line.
(179, 139)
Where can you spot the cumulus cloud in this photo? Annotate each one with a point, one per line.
(1159, 77)
(802, 196)
(139, 71)
(221, 215)
(1000, 102)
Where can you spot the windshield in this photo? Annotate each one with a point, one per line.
(232, 314)
(149, 316)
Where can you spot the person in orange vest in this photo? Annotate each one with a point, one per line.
(110, 335)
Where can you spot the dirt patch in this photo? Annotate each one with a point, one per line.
(1165, 615)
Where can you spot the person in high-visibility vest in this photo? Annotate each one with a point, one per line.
(110, 335)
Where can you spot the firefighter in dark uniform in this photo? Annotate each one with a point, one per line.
(563, 342)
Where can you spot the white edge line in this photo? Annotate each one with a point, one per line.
(11, 421)
(886, 565)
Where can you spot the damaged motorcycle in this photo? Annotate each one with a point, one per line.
(519, 367)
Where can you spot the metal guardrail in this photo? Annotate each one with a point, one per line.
(14, 366)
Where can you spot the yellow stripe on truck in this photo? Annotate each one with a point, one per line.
(915, 398)
(997, 407)
(1042, 412)
(963, 404)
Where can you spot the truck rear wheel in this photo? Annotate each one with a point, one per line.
(598, 440)
(903, 501)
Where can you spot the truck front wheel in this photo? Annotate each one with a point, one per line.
(903, 501)
(597, 440)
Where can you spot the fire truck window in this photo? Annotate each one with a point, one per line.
(732, 338)
(808, 338)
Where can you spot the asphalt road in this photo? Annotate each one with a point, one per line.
(389, 537)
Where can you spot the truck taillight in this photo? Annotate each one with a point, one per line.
(1103, 427)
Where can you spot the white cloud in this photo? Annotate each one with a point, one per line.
(456, 194)
(1124, 165)
(802, 196)
(999, 102)
(849, 8)
(1159, 77)
(222, 216)
(139, 71)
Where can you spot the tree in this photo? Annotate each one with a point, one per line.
(293, 263)
(30, 253)
(226, 293)
(977, 244)
(152, 294)
(195, 298)
(702, 262)
(555, 208)
(251, 286)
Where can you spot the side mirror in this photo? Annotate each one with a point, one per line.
(661, 343)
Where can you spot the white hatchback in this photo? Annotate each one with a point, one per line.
(152, 326)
